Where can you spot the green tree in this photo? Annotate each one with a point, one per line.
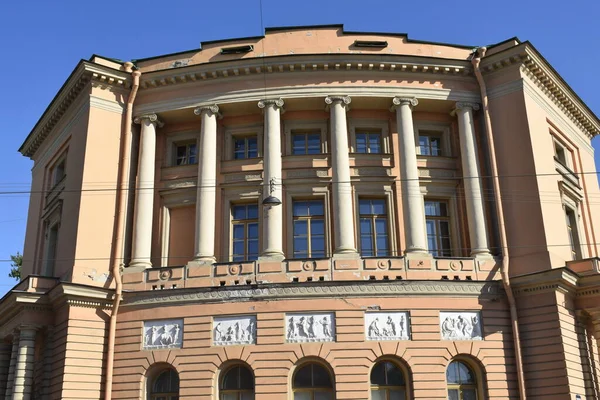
(15, 266)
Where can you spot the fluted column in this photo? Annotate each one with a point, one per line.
(10, 381)
(207, 184)
(412, 199)
(472, 179)
(144, 195)
(24, 368)
(272, 243)
(343, 219)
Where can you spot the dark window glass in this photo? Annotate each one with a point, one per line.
(462, 382)
(309, 229)
(437, 222)
(373, 225)
(312, 376)
(306, 143)
(430, 144)
(245, 147)
(244, 232)
(368, 142)
(238, 378)
(186, 154)
(165, 386)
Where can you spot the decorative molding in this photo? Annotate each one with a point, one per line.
(402, 101)
(436, 173)
(387, 325)
(231, 178)
(213, 108)
(278, 103)
(107, 105)
(163, 334)
(306, 173)
(460, 325)
(490, 289)
(313, 327)
(234, 330)
(153, 118)
(345, 100)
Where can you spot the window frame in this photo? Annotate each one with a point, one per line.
(374, 124)
(246, 223)
(365, 189)
(245, 139)
(292, 127)
(373, 222)
(309, 220)
(51, 221)
(231, 133)
(438, 219)
(388, 388)
(187, 145)
(238, 392)
(571, 211)
(477, 372)
(431, 127)
(175, 139)
(312, 390)
(157, 371)
(567, 154)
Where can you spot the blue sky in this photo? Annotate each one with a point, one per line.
(42, 42)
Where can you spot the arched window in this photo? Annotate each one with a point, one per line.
(387, 382)
(237, 384)
(312, 381)
(165, 386)
(462, 382)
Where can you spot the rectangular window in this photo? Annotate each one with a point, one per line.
(373, 228)
(309, 229)
(560, 153)
(306, 142)
(573, 233)
(368, 142)
(245, 147)
(437, 221)
(50, 258)
(186, 154)
(430, 143)
(58, 172)
(245, 232)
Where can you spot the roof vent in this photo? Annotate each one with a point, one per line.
(379, 44)
(237, 49)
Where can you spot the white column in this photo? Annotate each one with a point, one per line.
(24, 368)
(272, 243)
(10, 379)
(207, 184)
(412, 199)
(472, 179)
(343, 217)
(144, 195)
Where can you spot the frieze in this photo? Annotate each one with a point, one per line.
(367, 171)
(436, 173)
(242, 177)
(313, 327)
(306, 173)
(387, 325)
(460, 325)
(234, 330)
(312, 290)
(163, 334)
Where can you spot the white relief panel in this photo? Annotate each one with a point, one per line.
(460, 325)
(387, 326)
(163, 334)
(234, 330)
(314, 327)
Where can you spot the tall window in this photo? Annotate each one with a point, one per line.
(387, 382)
(571, 221)
(430, 143)
(245, 232)
(306, 142)
(165, 386)
(368, 142)
(309, 229)
(462, 382)
(560, 153)
(237, 384)
(373, 228)
(437, 220)
(245, 147)
(185, 154)
(51, 244)
(312, 382)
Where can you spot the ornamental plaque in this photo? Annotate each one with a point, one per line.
(314, 327)
(387, 326)
(234, 330)
(460, 325)
(163, 334)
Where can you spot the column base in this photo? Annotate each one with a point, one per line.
(272, 256)
(345, 254)
(139, 265)
(482, 255)
(198, 261)
(417, 254)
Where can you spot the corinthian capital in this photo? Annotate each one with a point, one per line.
(153, 118)
(277, 103)
(345, 100)
(403, 101)
(463, 105)
(212, 108)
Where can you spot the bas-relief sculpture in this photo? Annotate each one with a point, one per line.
(163, 334)
(234, 330)
(460, 325)
(318, 327)
(387, 326)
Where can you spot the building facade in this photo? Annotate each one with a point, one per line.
(310, 214)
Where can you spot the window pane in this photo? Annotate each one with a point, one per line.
(377, 394)
(381, 226)
(252, 147)
(298, 144)
(238, 231)
(323, 395)
(317, 227)
(246, 379)
(321, 377)
(252, 211)
(239, 212)
(238, 248)
(382, 247)
(361, 143)
(366, 247)
(465, 374)
(252, 230)
(317, 245)
(364, 207)
(301, 245)
(375, 143)
(469, 394)
(247, 396)
(365, 226)
(378, 374)
(300, 228)
(453, 394)
(252, 249)
(302, 378)
(302, 396)
(314, 143)
(166, 382)
(378, 207)
(300, 208)
(436, 146)
(394, 374)
(397, 395)
(229, 396)
(316, 207)
(452, 373)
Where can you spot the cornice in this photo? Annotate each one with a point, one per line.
(305, 63)
(548, 81)
(80, 296)
(315, 290)
(84, 74)
(560, 279)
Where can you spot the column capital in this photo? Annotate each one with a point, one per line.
(150, 117)
(402, 101)
(278, 103)
(463, 105)
(345, 100)
(211, 108)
